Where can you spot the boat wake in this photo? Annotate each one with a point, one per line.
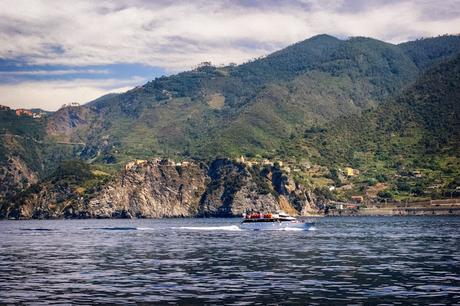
(291, 229)
(232, 228)
(283, 229)
(211, 228)
(145, 229)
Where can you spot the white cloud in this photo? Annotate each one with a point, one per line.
(177, 35)
(50, 95)
(53, 72)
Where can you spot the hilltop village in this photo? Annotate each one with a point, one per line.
(24, 112)
(34, 113)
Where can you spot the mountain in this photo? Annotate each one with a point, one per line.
(250, 108)
(260, 109)
(429, 51)
(413, 140)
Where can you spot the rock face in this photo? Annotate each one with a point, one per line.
(15, 175)
(162, 188)
(235, 188)
(66, 121)
(153, 189)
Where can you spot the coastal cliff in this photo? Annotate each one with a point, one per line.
(162, 188)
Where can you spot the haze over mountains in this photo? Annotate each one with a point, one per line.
(360, 102)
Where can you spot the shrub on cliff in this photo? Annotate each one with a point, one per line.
(72, 171)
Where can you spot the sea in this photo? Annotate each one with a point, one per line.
(338, 261)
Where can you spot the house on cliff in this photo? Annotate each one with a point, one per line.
(24, 112)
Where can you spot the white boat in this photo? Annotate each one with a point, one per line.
(277, 221)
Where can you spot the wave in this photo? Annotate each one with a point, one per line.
(121, 228)
(38, 229)
(117, 228)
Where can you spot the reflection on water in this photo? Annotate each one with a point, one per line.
(193, 261)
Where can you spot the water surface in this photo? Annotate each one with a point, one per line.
(365, 260)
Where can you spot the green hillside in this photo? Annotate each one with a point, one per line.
(426, 52)
(412, 143)
(324, 101)
(250, 108)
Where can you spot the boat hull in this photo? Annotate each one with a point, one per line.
(276, 226)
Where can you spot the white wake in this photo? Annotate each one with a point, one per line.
(211, 228)
(145, 228)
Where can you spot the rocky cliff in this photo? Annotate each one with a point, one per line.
(15, 175)
(152, 189)
(163, 188)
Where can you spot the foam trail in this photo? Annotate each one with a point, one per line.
(294, 229)
(211, 228)
(145, 228)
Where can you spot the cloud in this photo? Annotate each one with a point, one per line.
(177, 35)
(50, 95)
(46, 44)
(52, 72)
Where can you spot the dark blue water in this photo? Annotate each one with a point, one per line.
(411, 260)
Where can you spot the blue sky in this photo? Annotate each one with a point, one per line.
(56, 52)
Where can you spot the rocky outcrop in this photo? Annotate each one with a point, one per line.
(63, 124)
(162, 188)
(15, 175)
(237, 187)
(154, 189)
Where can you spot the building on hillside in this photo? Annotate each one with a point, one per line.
(23, 112)
(182, 164)
(38, 115)
(72, 104)
(343, 205)
(166, 94)
(357, 199)
(4, 108)
(351, 172)
(133, 163)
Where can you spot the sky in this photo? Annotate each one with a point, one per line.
(54, 52)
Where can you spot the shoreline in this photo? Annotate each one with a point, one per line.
(444, 207)
(333, 215)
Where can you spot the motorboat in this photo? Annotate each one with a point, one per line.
(273, 221)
